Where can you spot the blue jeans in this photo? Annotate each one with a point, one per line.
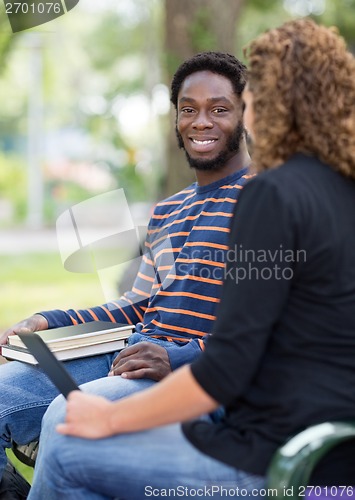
(128, 466)
(26, 392)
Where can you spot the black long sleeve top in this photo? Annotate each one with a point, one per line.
(282, 353)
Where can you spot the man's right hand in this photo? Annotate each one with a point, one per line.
(32, 324)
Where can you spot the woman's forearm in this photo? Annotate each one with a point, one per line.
(177, 398)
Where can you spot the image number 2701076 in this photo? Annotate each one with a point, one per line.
(30, 13)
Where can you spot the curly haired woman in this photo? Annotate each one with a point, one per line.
(282, 353)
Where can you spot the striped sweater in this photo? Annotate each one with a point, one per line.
(178, 285)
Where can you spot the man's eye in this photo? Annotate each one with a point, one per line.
(220, 110)
(186, 110)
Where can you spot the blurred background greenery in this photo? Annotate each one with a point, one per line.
(85, 109)
(85, 99)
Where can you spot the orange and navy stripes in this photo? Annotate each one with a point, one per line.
(179, 282)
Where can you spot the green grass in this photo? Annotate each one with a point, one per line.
(35, 282)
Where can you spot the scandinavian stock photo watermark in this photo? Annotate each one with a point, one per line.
(242, 264)
(106, 236)
(102, 233)
(262, 264)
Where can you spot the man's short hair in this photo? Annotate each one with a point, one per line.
(221, 63)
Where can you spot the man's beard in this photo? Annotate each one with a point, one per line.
(217, 163)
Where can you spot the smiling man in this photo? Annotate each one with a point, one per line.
(174, 298)
(209, 126)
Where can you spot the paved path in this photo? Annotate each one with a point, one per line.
(24, 240)
(17, 241)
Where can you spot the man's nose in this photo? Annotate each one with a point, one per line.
(202, 121)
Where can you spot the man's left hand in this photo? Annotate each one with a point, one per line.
(142, 360)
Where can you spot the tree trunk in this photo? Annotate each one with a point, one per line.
(194, 26)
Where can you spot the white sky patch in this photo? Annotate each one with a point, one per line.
(305, 7)
(133, 114)
(131, 11)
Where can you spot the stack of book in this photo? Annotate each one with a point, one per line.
(76, 341)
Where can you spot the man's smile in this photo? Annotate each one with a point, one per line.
(202, 145)
(206, 141)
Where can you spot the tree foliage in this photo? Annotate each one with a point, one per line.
(193, 26)
(95, 61)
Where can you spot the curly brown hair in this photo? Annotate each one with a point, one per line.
(303, 83)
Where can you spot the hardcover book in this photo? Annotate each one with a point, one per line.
(75, 341)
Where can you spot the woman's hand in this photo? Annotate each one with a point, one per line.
(87, 416)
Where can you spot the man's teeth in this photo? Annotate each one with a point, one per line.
(203, 142)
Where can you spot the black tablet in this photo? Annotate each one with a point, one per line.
(53, 368)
